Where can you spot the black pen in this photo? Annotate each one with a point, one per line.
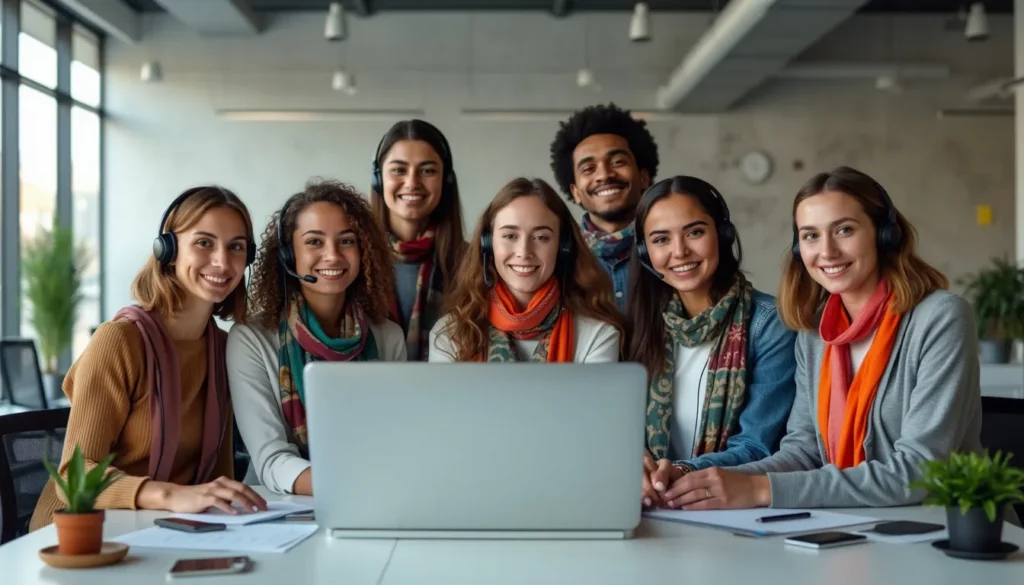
(784, 517)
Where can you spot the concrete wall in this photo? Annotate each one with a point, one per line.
(162, 138)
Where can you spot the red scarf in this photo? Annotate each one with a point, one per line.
(845, 400)
(506, 317)
(417, 329)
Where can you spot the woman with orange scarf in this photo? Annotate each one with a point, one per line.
(529, 289)
(887, 371)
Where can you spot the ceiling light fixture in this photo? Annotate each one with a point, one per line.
(344, 82)
(640, 24)
(977, 23)
(334, 27)
(151, 72)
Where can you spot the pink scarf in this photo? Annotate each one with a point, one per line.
(841, 365)
(163, 377)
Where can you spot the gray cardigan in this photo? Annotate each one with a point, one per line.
(928, 404)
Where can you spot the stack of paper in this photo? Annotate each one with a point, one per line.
(253, 538)
(275, 509)
(745, 521)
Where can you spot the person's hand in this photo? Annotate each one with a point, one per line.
(222, 493)
(717, 488)
(658, 476)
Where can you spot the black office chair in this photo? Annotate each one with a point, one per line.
(26, 438)
(1002, 429)
(23, 380)
(241, 454)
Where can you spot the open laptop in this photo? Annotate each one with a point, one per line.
(523, 450)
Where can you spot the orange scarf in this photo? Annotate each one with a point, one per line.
(506, 317)
(844, 404)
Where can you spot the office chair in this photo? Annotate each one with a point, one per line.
(22, 378)
(1002, 429)
(26, 438)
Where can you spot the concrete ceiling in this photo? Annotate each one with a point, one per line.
(950, 6)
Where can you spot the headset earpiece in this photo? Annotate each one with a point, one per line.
(486, 250)
(165, 245)
(889, 233)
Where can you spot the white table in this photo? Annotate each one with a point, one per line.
(661, 553)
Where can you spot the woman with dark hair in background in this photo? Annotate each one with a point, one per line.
(719, 359)
(415, 195)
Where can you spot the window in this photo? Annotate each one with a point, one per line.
(37, 41)
(85, 181)
(37, 141)
(85, 67)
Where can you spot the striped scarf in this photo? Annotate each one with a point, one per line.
(424, 308)
(727, 323)
(303, 340)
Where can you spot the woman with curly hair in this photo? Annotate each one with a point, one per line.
(322, 288)
(530, 289)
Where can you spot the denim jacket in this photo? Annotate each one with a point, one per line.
(619, 273)
(771, 387)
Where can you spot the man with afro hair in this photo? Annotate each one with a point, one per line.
(603, 160)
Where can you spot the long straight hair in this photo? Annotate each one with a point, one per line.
(801, 298)
(586, 287)
(449, 242)
(650, 295)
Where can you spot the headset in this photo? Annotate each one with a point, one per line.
(165, 246)
(285, 254)
(682, 184)
(566, 249)
(888, 233)
(448, 178)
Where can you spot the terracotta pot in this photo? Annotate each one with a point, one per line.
(79, 534)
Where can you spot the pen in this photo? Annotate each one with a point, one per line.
(784, 517)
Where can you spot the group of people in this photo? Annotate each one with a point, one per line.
(830, 394)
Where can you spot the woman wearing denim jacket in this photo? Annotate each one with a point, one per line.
(719, 361)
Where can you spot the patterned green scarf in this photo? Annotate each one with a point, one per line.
(303, 340)
(727, 323)
(499, 344)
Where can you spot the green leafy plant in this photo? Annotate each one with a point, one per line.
(997, 295)
(52, 268)
(970, 480)
(81, 488)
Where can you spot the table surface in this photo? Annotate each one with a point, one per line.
(660, 552)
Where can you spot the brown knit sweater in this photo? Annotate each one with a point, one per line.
(110, 414)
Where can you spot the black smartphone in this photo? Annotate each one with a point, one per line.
(209, 567)
(821, 540)
(902, 527)
(188, 525)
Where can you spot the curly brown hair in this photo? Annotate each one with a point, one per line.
(372, 289)
(587, 292)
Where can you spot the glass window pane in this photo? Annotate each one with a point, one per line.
(37, 55)
(85, 64)
(37, 141)
(85, 187)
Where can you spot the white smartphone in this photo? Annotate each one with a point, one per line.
(820, 540)
(208, 567)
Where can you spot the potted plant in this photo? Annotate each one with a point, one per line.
(974, 489)
(997, 295)
(79, 525)
(52, 266)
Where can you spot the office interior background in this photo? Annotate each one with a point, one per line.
(110, 108)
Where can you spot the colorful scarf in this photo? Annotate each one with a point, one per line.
(544, 318)
(727, 323)
(163, 377)
(845, 400)
(424, 308)
(611, 248)
(303, 341)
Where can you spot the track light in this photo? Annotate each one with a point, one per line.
(640, 24)
(977, 23)
(151, 72)
(334, 27)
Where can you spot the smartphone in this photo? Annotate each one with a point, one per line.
(188, 525)
(207, 567)
(821, 540)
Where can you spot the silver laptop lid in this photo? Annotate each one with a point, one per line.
(490, 447)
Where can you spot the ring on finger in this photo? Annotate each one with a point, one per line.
(707, 494)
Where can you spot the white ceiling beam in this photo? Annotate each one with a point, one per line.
(215, 17)
(110, 16)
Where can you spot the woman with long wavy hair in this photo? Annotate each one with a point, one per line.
(321, 290)
(415, 196)
(529, 289)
